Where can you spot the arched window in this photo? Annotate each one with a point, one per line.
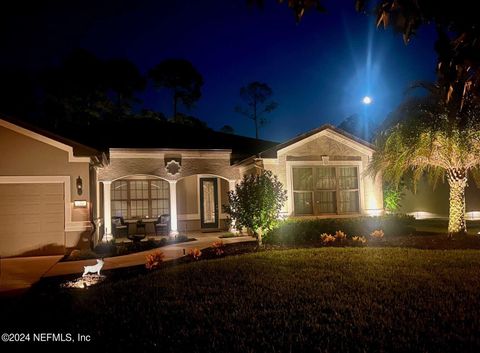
(140, 198)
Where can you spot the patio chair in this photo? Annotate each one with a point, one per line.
(162, 224)
(141, 227)
(119, 227)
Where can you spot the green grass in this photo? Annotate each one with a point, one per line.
(327, 299)
(441, 226)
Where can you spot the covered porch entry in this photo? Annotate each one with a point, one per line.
(189, 188)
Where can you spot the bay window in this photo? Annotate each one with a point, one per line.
(325, 190)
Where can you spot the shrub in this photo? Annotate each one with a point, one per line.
(309, 231)
(150, 244)
(218, 248)
(256, 202)
(162, 242)
(340, 236)
(377, 234)
(106, 249)
(392, 195)
(327, 239)
(195, 253)
(154, 260)
(180, 238)
(123, 248)
(359, 240)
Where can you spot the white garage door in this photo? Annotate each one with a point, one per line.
(31, 219)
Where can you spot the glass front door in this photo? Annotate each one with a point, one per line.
(208, 203)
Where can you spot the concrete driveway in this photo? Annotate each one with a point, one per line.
(18, 274)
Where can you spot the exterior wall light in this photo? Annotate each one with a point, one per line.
(79, 186)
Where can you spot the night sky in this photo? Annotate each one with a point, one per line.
(319, 69)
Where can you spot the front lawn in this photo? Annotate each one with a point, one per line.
(326, 299)
(441, 226)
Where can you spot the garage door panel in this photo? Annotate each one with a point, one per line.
(53, 207)
(31, 218)
(31, 244)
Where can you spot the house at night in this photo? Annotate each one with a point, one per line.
(57, 194)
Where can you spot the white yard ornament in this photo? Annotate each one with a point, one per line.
(94, 268)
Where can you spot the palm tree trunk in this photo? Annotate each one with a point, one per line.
(259, 234)
(457, 180)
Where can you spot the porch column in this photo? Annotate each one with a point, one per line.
(107, 211)
(173, 208)
(231, 187)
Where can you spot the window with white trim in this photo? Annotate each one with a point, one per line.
(140, 198)
(325, 190)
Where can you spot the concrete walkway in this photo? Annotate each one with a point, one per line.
(19, 274)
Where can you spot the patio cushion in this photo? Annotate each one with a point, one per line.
(116, 221)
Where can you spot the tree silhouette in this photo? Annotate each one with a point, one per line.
(181, 77)
(257, 97)
(124, 79)
(85, 89)
(227, 129)
(458, 41)
(150, 114)
(76, 92)
(17, 93)
(189, 120)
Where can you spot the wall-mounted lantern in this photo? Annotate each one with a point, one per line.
(79, 186)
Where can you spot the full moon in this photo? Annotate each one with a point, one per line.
(367, 100)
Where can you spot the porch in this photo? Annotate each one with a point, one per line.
(189, 188)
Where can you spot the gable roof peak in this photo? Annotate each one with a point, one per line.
(272, 152)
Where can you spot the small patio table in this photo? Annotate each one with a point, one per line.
(136, 237)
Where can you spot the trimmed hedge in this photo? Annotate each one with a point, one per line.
(308, 231)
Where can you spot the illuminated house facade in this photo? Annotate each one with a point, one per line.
(323, 172)
(57, 194)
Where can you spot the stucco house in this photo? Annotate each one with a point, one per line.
(41, 175)
(57, 194)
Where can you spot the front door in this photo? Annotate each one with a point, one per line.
(208, 203)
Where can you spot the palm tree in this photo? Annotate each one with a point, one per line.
(435, 138)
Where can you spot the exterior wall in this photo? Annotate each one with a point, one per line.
(434, 203)
(23, 156)
(153, 163)
(194, 226)
(223, 191)
(188, 202)
(328, 149)
(187, 196)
